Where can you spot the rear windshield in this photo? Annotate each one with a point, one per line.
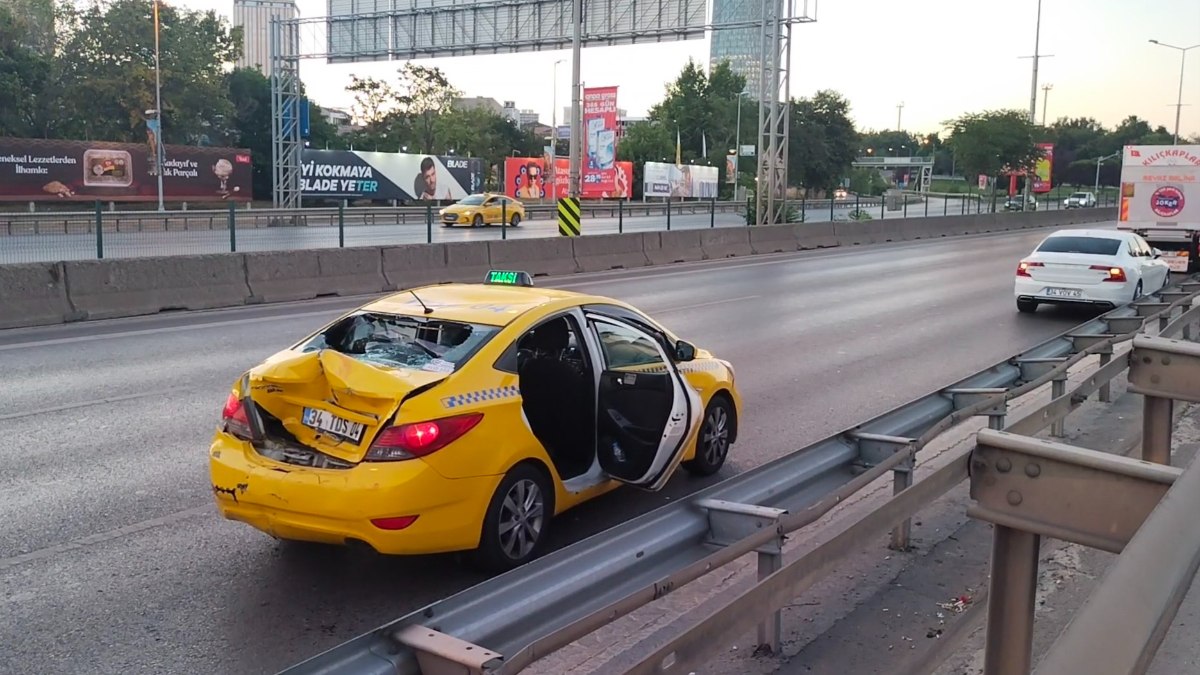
(397, 341)
(1088, 245)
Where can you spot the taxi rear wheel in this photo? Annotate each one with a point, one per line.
(517, 520)
(713, 441)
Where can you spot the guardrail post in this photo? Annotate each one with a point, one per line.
(1058, 388)
(621, 217)
(342, 224)
(1157, 419)
(803, 207)
(945, 206)
(503, 219)
(831, 206)
(428, 223)
(875, 448)
(712, 213)
(99, 230)
(1008, 647)
(728, 523)
(232, 227)
(668, 214)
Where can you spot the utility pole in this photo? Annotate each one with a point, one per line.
(1033, 87)
(1045, 100)
(158, 153)
(553, 168)
(576, 166)
(899, 110)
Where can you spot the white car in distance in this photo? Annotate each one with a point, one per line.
(1089, 267)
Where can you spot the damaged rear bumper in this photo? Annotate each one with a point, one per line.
(336, 506)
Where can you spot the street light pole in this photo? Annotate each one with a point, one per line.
(737, 151)
(1100, 161)
(553, 169)
(158, 154)
(1179, 102)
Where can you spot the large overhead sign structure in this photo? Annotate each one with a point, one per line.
(380, 30)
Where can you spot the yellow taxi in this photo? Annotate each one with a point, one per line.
(483, 209)
(462, 417)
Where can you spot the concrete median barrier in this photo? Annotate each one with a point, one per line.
(34, 294)
(773, 239)
(467, 260)
(283, 276)
(725, 242)
(409, 265)
(664, 248)
(542, 256)
(109, 289)
(816, 235)
(351, 271)
(600, 252)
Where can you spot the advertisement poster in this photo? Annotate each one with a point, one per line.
(1041, 170)
(600, 137)
(526, 179)
(38, 170)
(731, 168)
(1160, 187)
(681, 181)
(353, 174)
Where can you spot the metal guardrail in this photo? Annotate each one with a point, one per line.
(505, 623)
(83, 222)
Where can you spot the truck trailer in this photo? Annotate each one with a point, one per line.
(1160, 200)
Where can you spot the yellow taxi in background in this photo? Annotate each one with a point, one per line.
(483, 209)
(462, 417)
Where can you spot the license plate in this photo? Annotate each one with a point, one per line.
(330, 423)
(1063, 292)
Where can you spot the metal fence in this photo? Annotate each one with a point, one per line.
(504, 624)
(101, 233)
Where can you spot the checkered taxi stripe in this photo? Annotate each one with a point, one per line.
(481, 395)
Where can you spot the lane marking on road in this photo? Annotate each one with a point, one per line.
(93, 402)
(699, 305)
(83, 543)
(164, 329)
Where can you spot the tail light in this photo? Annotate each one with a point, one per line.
(418, 439)
(1114, 273)
(234, 419)
(1023, 268)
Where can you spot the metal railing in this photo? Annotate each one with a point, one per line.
(506, 623)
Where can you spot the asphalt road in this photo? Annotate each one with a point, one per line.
(48, 246)
(112, 558)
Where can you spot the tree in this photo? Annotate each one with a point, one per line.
(644, 142)
(24, 73)
(994, 142)
(823, 143)
(425, 94)
(889, 143)
(109, 73)
(481, 133)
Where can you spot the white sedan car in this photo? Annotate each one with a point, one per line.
(1093, 267)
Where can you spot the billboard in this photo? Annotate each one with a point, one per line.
(680, 180)
(526, 178)
(1041, 170)
(354, 174)
(599, 136)
(35, 169)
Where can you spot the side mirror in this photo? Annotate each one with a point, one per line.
(684, 351)
(1157, 253)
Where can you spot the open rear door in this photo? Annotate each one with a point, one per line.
(645, 408)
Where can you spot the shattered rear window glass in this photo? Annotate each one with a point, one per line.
(396, 341)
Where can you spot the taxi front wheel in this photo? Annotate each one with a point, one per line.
(515, 525)
(712, 443)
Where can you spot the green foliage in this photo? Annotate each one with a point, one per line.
(995, 142)
(791, 214)
(823, 142)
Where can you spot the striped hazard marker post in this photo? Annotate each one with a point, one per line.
(568, 217)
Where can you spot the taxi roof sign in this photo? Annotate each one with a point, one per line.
(508, 278)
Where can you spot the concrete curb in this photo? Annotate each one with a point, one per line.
(40, 294)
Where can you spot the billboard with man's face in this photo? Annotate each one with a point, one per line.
(527, 178)
(353, 174)
(37, 170)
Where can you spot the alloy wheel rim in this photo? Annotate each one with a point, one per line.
(716, 435)
(522, 516)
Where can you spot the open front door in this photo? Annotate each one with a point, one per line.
(645, 409)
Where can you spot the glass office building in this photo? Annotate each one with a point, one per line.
(742, 47)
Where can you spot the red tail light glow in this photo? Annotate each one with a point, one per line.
(395, 523)
(1023, 268)
(233, 418)
(1114, 273)
(418, 439)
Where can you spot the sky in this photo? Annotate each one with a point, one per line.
(944, 59)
